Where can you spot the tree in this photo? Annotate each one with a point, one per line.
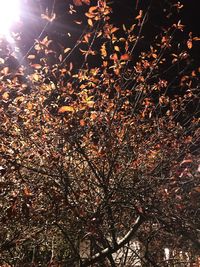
(103, 150)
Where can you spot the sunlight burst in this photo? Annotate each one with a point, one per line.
(10, 12)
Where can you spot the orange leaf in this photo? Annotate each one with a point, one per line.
(77, 2)
(196, 38)
(114, 29)
(36, 66)
(66, 109)
(87, 2)
(93, 116)
(140, 15)
(125, 57)
(29, 106)
(92, 9)
(82, 122)
(27, 191)
(189, 43)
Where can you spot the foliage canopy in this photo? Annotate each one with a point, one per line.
(102, 147)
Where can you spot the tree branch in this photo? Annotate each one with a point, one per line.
(108, 251)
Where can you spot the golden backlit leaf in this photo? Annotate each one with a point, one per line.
(93, 116)
(29, 106)
(66, 109)
(5, 96)
(116, 48)
(92, 9)
(103, 50)
(114, 29)
(90, 103)
(67, 50)
(90, 22)
(90, 15)
(35, 77)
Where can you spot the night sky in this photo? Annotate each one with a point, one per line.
(123, 12)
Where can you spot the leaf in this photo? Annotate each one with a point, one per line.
(29, 106)
(87, 2)
(36, 66)
(114, 57)
(197, 189)
(49, 18)
(67, 50)
(77, 2)
(37, 47)
(35, 77)
(114, 29)
(27, 192)
(116, 48)
(196, 38)
(90, 103)
(5, 71)
(66, 109)
(189, 43)
(78, 22)
(186, 161)
(5, 96)
(90, 22)
(31, 57)
(92, 9)
(103, 50)
(139, 15)
(90, 15)
(2, 61)
(82, 122)
(93, 116)
(125, 57)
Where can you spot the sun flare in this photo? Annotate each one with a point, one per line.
(10, 12)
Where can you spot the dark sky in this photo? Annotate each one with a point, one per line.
(123, 12)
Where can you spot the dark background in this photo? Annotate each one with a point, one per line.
(64, 30)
